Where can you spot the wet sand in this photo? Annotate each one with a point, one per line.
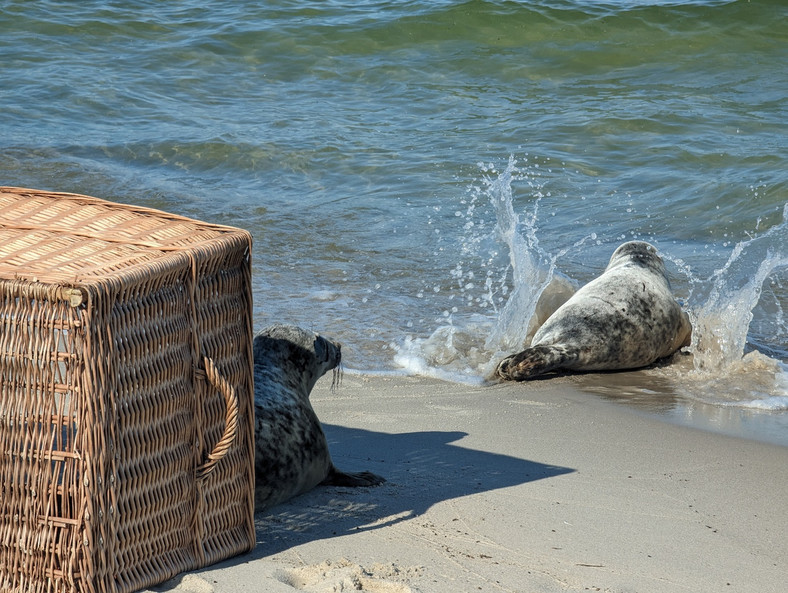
(537, 487)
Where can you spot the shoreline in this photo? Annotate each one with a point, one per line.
(636, 391)
(648, 393)
(534, 487)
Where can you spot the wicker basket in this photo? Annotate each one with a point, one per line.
(126, 394)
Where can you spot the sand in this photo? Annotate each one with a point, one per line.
(535, 487)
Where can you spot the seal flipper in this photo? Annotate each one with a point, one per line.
(362, 479)
(534, 361)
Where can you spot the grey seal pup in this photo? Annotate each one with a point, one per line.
(626, 318)
(291, 452)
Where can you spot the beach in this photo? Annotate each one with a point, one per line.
(417, 178)
(533, 487)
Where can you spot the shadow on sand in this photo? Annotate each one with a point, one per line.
(421, 469)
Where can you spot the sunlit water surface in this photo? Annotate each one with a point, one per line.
(426, 181)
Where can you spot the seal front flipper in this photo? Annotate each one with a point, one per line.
(534, 361)
(362, 479)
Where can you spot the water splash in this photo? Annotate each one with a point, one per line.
(521, 286)
(721, 310)
(735, 358)
(532, 268)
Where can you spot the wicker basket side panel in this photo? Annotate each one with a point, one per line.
(41, 466)
(153, 454)
(226, 495)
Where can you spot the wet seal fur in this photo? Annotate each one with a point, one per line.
(291, 452)
(625, 319)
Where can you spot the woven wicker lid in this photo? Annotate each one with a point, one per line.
(63, 237)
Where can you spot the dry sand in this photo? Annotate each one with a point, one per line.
(533, 487)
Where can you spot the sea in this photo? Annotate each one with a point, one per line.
(426, 181)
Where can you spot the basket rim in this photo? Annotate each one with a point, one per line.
(52, 250)
(110, 204)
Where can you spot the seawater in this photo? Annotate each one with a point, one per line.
(504, 272)
(426, 181)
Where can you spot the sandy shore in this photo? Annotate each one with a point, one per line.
(530, 488)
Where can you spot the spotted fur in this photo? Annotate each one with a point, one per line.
(291, 452)
(625, 319)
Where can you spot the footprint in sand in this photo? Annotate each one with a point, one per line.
(343, 575)
(189, 583)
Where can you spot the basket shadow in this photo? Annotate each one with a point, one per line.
(421, 470)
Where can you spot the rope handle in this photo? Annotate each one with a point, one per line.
(231, 419)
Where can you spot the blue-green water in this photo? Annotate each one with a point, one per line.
(367, 145)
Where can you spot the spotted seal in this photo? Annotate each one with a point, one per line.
(625, 319)
(291, 452)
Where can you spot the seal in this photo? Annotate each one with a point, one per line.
(626, 318)
(291, 452)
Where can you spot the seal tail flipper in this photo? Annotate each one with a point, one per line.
(362, 479)
(533, 362)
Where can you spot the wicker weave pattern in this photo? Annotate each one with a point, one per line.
(126, 438)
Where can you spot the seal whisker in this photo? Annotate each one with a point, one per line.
(336, 377)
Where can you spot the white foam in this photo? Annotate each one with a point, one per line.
(416, 365)
(441, 356)
(756, 381)
(775, 402)
(325, 295)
